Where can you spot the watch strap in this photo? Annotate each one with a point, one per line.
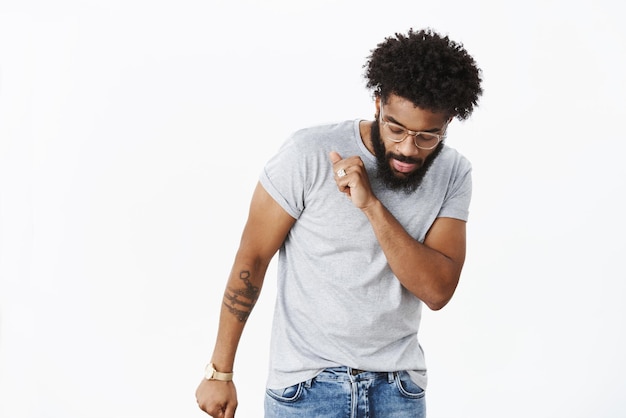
(211, 374)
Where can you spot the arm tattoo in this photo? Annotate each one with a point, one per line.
(240, 301)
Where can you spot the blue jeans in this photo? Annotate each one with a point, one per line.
(341, 393)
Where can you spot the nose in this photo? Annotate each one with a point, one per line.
(407, 147)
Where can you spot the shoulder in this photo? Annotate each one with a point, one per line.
(319, 138)
(451, 160)
(309, 146)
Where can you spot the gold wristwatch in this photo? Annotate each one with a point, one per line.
(211, 374)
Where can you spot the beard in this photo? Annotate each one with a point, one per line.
(408, 183)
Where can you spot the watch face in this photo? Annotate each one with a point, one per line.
(209, 371)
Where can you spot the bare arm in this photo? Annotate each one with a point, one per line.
(264, 233)
(430, 270)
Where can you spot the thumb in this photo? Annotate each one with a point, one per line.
(334, 157)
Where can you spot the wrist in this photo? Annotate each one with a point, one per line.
(210, 373)
(371, 207)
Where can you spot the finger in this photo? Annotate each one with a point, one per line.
(216, 411)
(230, 411)
(213, 412)
(334, 157)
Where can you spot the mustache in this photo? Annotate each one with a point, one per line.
(405, 159)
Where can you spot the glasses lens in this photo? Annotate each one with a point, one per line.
(394, 132)
(426, 140)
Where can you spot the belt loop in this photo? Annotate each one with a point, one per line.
(391, 376)
(308, 383)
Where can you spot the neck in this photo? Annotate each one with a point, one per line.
(365, 129)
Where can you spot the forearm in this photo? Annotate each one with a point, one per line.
(429, 274)
(240, 296)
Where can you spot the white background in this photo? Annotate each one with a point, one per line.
(131, 137)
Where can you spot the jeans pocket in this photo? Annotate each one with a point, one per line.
(288, 394)
(407, 387)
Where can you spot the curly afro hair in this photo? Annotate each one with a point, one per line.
(431, 71)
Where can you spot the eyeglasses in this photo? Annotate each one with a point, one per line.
(422, 140)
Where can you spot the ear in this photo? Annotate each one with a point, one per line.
(377, 102)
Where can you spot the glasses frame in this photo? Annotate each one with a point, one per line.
(440, 137)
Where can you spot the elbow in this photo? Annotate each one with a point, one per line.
(437, 304)
(433, 290)
(438, 298)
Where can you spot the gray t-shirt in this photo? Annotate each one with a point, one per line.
(338, 302)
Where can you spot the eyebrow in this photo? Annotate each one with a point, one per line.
(432, 131)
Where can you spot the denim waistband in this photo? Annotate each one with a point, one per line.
(342, 374)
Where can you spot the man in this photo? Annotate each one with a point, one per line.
(369, 218)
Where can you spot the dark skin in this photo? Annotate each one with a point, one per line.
(430, 270)
(264, 233)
